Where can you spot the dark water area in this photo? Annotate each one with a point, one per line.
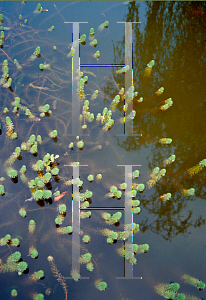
(173, 34)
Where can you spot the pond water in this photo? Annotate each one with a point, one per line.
(172, 34)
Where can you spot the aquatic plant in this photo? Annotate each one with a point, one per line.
(37, 51)
(193, 281)
(82, 38)
(165, 141)
(85, 258)
(38, 195)
(140, 187)
(57, 274)
(12, 173)
(75, 275)
(23, 169)
(164, 291)
(100, 285)
(113, 235)
(148, 69)
(189, 192)
(62, 209)
(129, 256)
(47, 194)
(14, 293)
(90, 266)
(197, 168)
(159, 91)
(90, 178)
(174, 287)
(22, 266)
(165, 197)
(38, 275)
(16, 256)
(17, 64)
(2, 190)
(59, 220)
(38, 297)
(135, 174)
(97, 54)
(65, 230)
(93, 43)
(15, 242)
(32, 226)
(5, 240)
(86, 239)
(39, 166)
(80, 144)
(168, 104)
(144, 248)
(53, 134)
(22, 212)
(33, 252)
(51, 28)
(169, 160)
(41, 67)
(181, 296)
(91, 32)
(84, 215)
